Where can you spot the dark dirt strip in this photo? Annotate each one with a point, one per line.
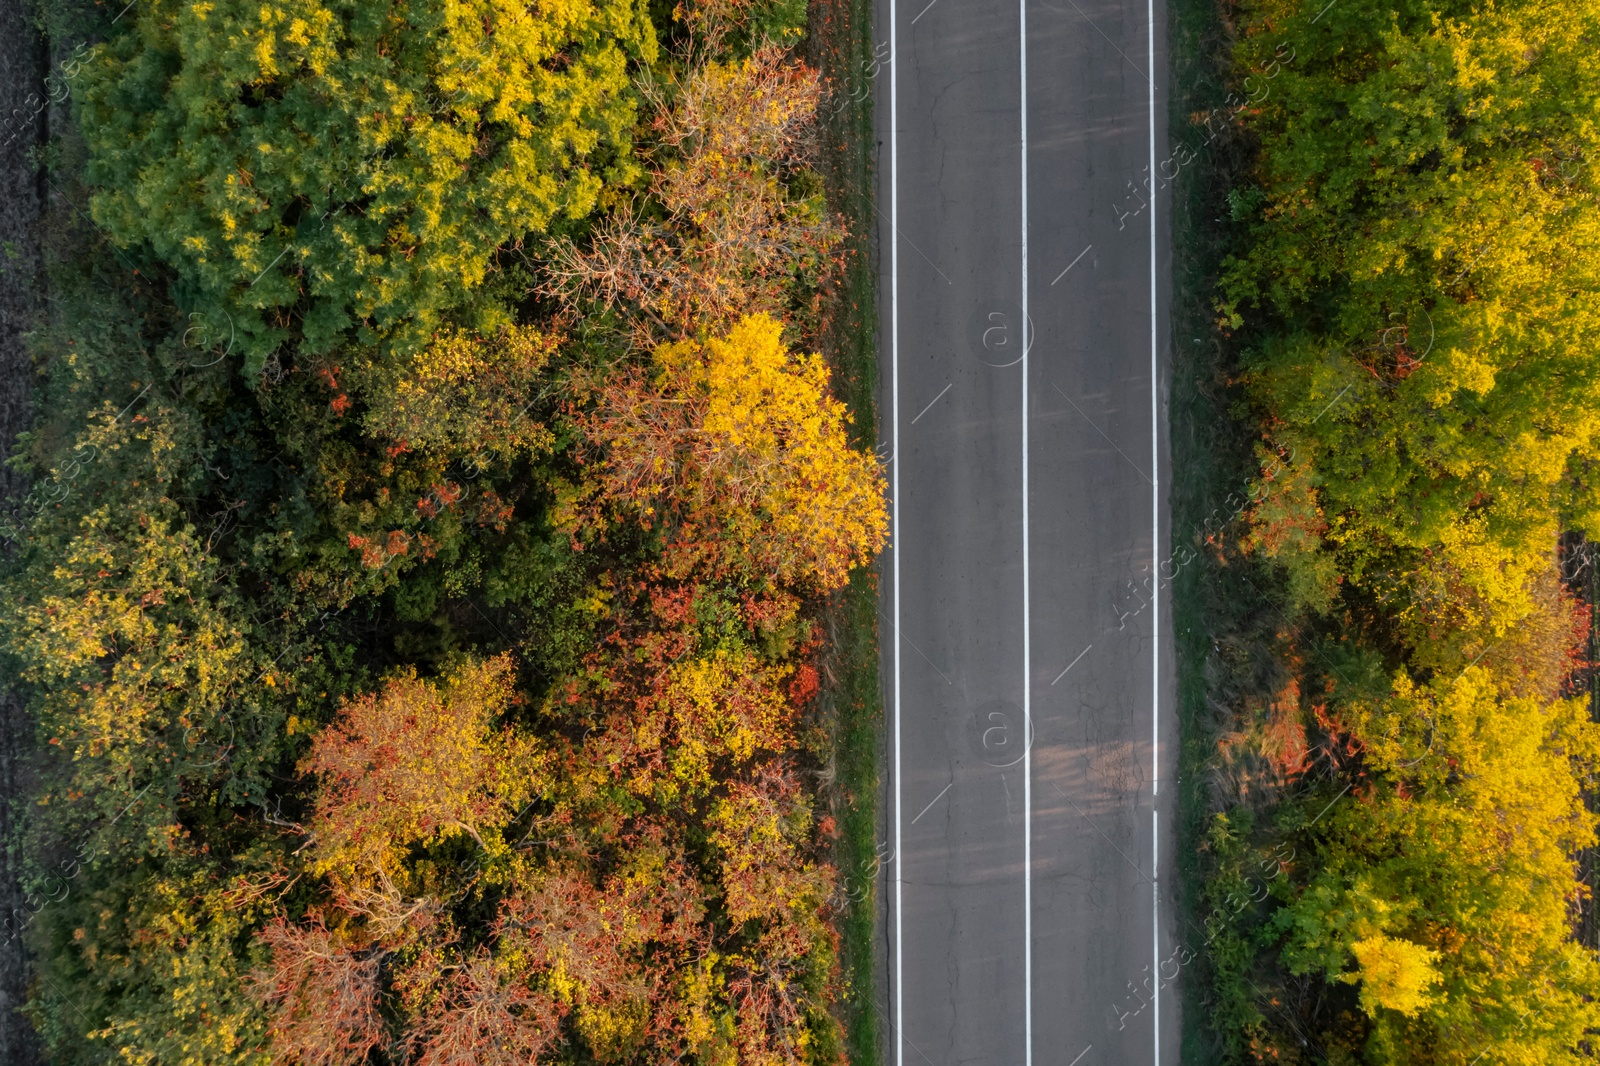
(23, 64)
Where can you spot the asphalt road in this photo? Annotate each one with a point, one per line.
(1027, 637)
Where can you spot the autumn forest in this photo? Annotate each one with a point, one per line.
(443, 598)
(1389, 680)
(434, 500)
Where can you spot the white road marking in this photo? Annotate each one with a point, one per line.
(1072, 264)
(1027, 631)
(935, 799)
(924, 11)
(1070, 665)
(1155, 553)
(933, 401)
(894, 503)
(1081, 1054)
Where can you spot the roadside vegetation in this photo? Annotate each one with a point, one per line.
(442, 595)
(1390, 252)
(841, 46)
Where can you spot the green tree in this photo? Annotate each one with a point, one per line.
(311, 167)
(1416, 290)
(740, 451)
(1444, 887)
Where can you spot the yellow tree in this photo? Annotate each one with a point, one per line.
(1424, 237)
(1449, 881)
(737, 446)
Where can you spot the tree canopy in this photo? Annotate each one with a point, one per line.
(1424, 236)
(318, 171)
(1409, 291)
(384, 717)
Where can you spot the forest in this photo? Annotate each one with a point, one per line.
(452, 512)
(1392, 739)
(438, 502)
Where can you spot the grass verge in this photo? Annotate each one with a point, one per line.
(841, 47)
(1221, 618)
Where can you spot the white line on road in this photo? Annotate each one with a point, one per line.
(1070, 665)
(1072, 264)
(931, 802)
(894, 503)
(933, 401)
(1155, 553)
(1027, 632)
(1081, 1054)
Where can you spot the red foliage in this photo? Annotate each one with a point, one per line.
(493, 511)
(322, 995)
(668, 723)
(329, 376)
(1339, 744)
(618, 943)
(376, 554)
(766, 609)
(804, 685)
(485, 1017)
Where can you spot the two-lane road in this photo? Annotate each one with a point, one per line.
(1027, 655)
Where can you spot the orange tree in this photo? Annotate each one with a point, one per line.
(263, 616)
(629, 867)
